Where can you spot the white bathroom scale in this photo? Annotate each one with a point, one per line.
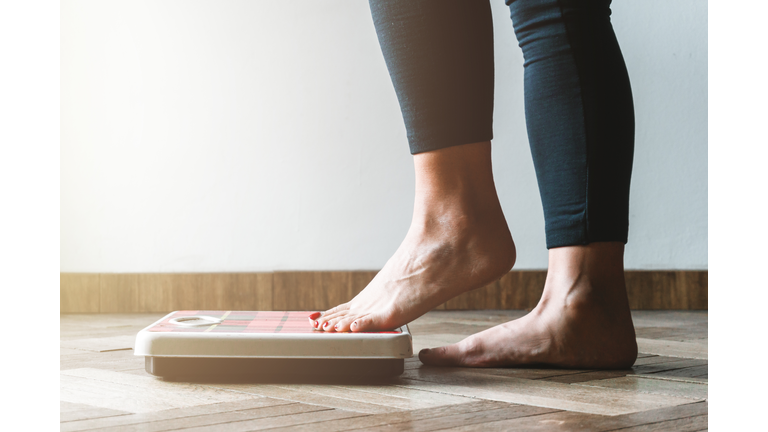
(265, 344)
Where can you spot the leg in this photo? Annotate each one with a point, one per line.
(581, 130)
(440, 58)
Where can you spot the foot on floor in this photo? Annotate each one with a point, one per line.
(582, 320)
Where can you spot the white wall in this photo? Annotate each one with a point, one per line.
(266, 135)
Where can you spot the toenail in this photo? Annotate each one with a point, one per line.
(316, 324)
(325, 325)
(336, 327)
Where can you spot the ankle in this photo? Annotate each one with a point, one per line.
(590, 275)
(456, 180)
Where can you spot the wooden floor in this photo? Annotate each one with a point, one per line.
(104, 386)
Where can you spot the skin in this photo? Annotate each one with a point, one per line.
(459, 241)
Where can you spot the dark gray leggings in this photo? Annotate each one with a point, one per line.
(578, 101)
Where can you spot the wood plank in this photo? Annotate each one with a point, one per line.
(134, 393)
(371, 421)
(656, 359)
(334, 289)
(670, 318)
(450, 421)
(644, 355)
(656, 368)
(109, 320)
(187, 292)
(395, 398)
(217, 291)
(692, 380)
(702, 341)
(521, 289)
(70, 407)
(230, 420)
(646, 289)
(113, 360)
(113, 343)
(79, 292)
(694, 289)
(305, 395)
(579, 422)
(476, 299)
(91, 413)
(488, 318)
(319, 290)
(320, 414)
(671, 333)
(157, 292)
(588, 376)
(448, 328)
(149, 417)
(296, 291)
(166, 292)
(691, 372)
(672, 348)
(69, 351)
(646, 385)
(658, 289)
(537, 392)
(401, 396)
(689, 424)
(89, 333)
(254, 292)
(118, 292)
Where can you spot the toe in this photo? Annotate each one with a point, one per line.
(469, 352)
(343, 324)
(330, 324)
(326, 326)
(313, 323)
(368, 323)
(330, 314)
(449, 355)
(327, 320)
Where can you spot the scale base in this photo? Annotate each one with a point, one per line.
(175, 368)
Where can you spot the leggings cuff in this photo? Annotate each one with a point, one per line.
(425, 144)
(575, 237)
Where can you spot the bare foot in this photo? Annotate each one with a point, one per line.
(582, 321)
(458, 241)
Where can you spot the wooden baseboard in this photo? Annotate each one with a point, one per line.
(164, 292)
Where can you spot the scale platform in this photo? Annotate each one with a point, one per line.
(235, 344)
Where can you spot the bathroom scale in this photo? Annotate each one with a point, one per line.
(267, 344)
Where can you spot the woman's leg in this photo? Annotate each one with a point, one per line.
(580, 123)
(440, 57)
